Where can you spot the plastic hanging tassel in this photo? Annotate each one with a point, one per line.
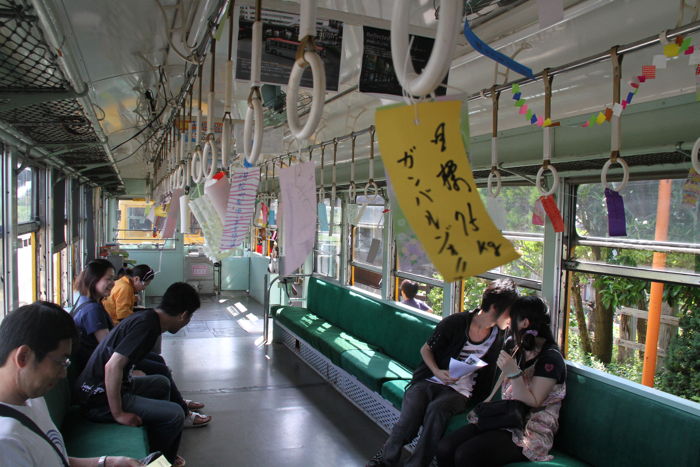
(616, 213)
(538, 213)
(264, 210)
(550, 207)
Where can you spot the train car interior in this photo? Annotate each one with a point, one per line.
(298, 161)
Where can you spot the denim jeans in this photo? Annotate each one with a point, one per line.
(430, 405)
(153, 364)
(148, 397)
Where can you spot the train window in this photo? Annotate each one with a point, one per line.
(614, 283)
(428, 298)
(328, 233)
(25, 196)
(366, 220)
(26, 268)
(527, 237)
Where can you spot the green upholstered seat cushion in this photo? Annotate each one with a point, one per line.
(609, 421)
(328, 339)
(324, 298)
(404, 335)
(372, 368)
(560, 460)
(394, 390)
(88, 439)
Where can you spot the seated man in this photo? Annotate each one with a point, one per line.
(35, 343)
(109, 392)
(433, 396)
(409, 289)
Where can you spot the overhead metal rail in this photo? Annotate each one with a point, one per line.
(593, 59)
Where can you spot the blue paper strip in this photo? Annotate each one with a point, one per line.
(630, 95)
(533, 120)
(247, 164)
(616, 213)
(322, 218)
(481, 47)
(516, 96)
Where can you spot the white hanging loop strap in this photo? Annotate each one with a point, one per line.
(615, 129)
(306, 55)
(196, 164)
(432, 75)
(253, 127)
(209, 153)
(495, 173)
(694, 156)
(228, 96)
(371, 184)
(352, 191)
(198, 130)
(321, 190)
(547, 142)
(333, 185)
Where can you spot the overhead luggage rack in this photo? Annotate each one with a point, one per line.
(39, 103)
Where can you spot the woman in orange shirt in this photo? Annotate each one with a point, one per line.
(121, 301)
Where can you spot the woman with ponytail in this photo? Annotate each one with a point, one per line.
(534, 374)
(120, 303)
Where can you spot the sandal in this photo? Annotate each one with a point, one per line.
(192, 405)
(196, 420)
(179, 462)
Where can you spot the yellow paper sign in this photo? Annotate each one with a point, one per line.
(432, 179)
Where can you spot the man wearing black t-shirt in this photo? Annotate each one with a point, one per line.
(433, 395)
(109, 392)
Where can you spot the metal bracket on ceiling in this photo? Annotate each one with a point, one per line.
(16, 98)
(95, 166)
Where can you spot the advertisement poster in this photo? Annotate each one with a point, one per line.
(377, 75)
(280, 42)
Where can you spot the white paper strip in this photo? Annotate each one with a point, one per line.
(298, 195)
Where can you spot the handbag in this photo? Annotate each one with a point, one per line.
(494, 415)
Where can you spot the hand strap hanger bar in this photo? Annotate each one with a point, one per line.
(495, 173)
(547, 140)
(615, 128)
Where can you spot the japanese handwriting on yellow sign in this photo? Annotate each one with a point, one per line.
(432, 179)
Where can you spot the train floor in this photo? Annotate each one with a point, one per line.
(269, 408)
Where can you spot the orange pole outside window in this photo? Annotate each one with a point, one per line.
(663, 208)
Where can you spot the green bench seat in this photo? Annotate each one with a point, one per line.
(84, 438)
(604, 421)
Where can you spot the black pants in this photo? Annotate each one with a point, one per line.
(430, 405)
(469, 446)
(153, 364)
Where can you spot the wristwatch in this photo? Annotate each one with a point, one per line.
(102, 462)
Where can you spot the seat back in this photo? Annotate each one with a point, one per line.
(609, 421)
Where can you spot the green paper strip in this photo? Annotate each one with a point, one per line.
(528, 115)
(516, 88)
(592, 120)
(686, 43)
(520, 103)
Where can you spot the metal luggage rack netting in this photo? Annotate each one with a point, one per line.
(28, 65)
(25, 61)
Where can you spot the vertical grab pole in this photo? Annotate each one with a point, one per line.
(335, 156)
(495, 95)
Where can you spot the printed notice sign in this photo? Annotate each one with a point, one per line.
(430, 174)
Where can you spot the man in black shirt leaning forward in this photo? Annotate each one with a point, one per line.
(109, 392)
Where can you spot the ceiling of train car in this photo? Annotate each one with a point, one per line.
(129, 53)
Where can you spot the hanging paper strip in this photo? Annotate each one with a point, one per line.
(322, 217)
(616, 213)
(432, 180)
(538, 213)
(550, 207)
(240, 208)
(173, 213)
(264, 210)
(298, 196)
